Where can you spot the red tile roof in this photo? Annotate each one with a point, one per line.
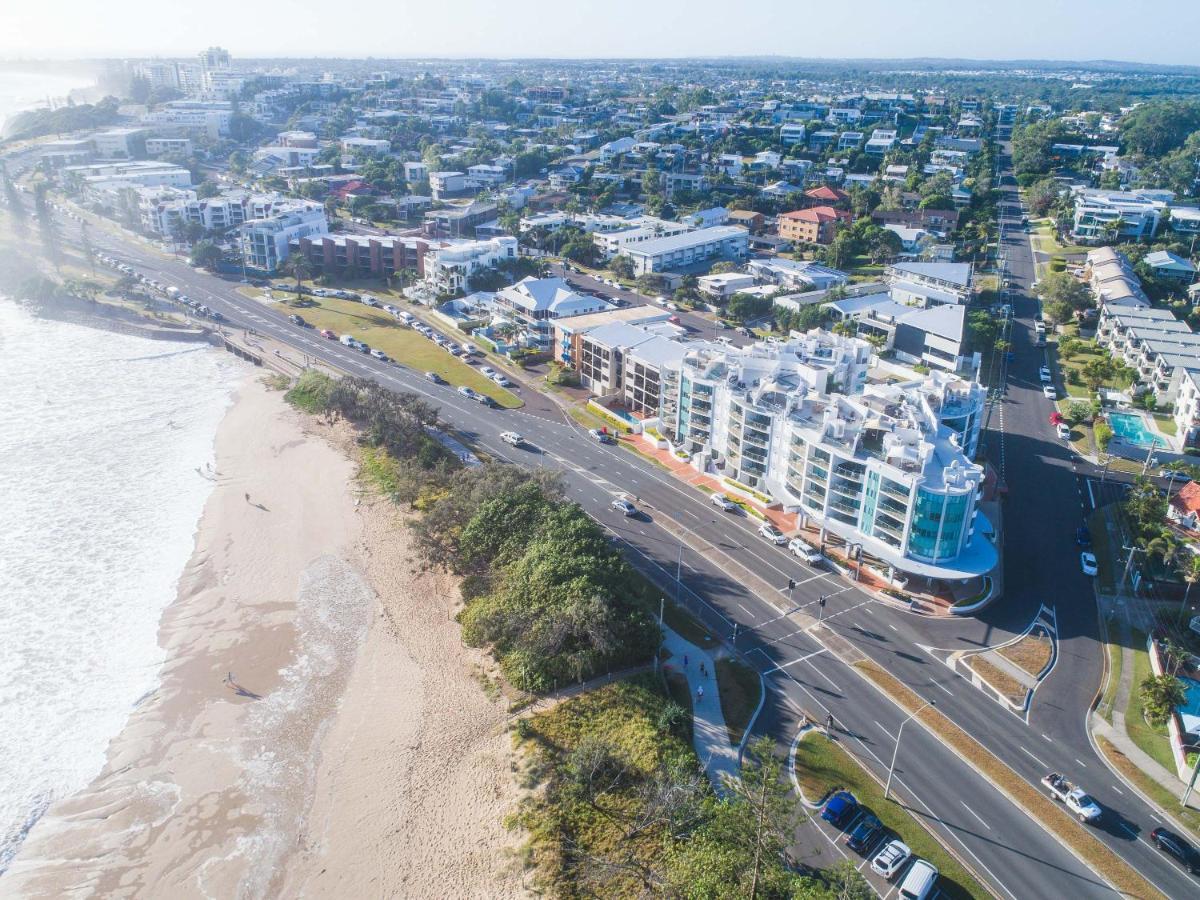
(827, 193)
(818, 214)
(1187, 499)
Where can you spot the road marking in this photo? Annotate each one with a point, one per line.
(881, 728)
(1034, 758)
(1081, 762)
(1128, 829)
(801, 659)
(1118, 790)
(976, 815)
(944, 688)
(746, 611)
(893, 627)
(1047, 737)
(826, 677)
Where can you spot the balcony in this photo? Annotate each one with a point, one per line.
(883, 525)
(893, 491)
(892, 506)
(846, 489)
(850, 473)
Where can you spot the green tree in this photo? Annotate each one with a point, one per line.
(1056, 286)
(1189, 571)
(1041, 196)
(1158, 127)
(207, 255)
(47, 227)
(297, 266)
(1079, 412)
(1160, 694)
(13, 205)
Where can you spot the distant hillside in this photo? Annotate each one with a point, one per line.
(65, 119)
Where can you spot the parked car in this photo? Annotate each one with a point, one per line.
(1064, 430)
(865, 833)
(1044, 375)
(624, 507)
(484, 400)
(487, 371)
(891, 859)
(804, 550)
(501, 380)
(328, 335)
(380, 355)
(435, 377)
(1173, 845)
(1087, 561)
(919, 881)
(1083, 537)
(772, 534)
(602, 436)
(720, 501)
(467, 392)
(1049, 392)
(839, 808)
(296, 320)
(348, 340)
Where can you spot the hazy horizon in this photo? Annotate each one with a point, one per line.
(1028, 30)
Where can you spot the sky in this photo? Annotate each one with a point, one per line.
(974, 29)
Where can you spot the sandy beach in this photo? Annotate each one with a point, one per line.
(318, 729)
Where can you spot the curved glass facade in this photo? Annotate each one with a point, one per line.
(937, 525)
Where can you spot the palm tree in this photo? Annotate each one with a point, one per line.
(297, 266)
(1189, 571)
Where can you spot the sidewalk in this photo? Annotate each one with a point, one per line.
(710, 737)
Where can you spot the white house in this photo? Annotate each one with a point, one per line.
(449, 269)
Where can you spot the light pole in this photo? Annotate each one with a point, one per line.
(892, 768)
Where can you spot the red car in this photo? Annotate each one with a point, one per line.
(1056, 418)
(328, 335)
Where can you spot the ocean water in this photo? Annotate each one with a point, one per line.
(101, 436)
(25, 90)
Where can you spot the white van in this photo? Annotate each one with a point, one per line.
(348, 340)
(919, 882)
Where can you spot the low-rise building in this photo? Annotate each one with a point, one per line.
(933, 336)
(176, 148)
(1166, 264)
(1187, 407)
(448, 268)
(884, 466)
(1117, 215)
(365, 255)
(680, 251)
(816, 225)
(725, 284)
(795, 275)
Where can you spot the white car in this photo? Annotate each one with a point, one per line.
(772, 534)
(624, 507)
(803, 549)
(511, 437)
(1049, 392)
(501, 380)
(467, 392)
(469, 349)
(1064, 431)
(891, 859)
(1044, 375)
(487, 371)
(1087, 562)
(720, 501)
(602, 437)
(1083, 806)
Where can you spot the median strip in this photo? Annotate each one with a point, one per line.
(1039, 807)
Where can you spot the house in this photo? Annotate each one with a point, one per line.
(816, 225)
(819, 140)
(684, 181)
(682, 250)
(707, 218)
(912, 240)
(849, 140)
(934, 336)
(953, 279)
(542, 299)
(459, 220)
(563, 177)
(749, 219)
(882, 141)
(935, 221)
(1113, 280)
(1165, 264)
(415, 172)
(825, 195)
(366, 146)
(724, 285)
(487, 174)
(1184, 508)
(795, 275)
(614, 149)
(448, 184)
(792, 133)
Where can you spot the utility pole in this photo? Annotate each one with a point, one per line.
(896, 751)
(1191, 783)
(1128, 565)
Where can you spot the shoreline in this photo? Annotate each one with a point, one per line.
(317, 728)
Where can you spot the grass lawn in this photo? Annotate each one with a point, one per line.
(687, 626)
(1114, 678)
(634, 448)
(1166, 424)
(1152, 740)
(587, 418)
(1108, 568)
(822, 765)
(403, 344)
(740, 689)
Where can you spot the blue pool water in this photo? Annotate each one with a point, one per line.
(1189, 709)
(1131, 428)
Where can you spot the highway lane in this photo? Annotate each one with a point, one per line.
(596, 472)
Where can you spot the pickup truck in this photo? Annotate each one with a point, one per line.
(1073, 797)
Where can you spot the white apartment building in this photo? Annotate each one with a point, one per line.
(1187, 407)
(415, 172)
(159, 146)
(445, 184)
(636, 231)
(487, 174)
(265, 240)
(208, 118)
(792, 133)
(165, 211)
(366, 146)
(102, 181)
(1160, 348)
(884, 466)
(625, 362)
(1100, 214)
(724, 284)
(681, 250)
(449, 269)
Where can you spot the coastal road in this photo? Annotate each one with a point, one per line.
(713, 544)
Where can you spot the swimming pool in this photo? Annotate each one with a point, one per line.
(1189, 709)
(1131, 428)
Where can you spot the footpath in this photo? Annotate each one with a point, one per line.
(710, 737)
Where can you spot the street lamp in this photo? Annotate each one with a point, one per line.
(892, 768)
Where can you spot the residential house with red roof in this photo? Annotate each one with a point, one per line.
(817, 225)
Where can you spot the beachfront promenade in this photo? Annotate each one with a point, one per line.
(710, 737)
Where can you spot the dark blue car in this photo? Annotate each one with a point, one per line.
(839, 808)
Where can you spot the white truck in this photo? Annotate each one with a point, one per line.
(1073, 797)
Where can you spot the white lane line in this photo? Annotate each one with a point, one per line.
(826, 677)
(782, 666)
(1118, 790)
(1034, 758)
(1047, 737)
(746, 611)
(785, 637)
(944, 688)
(1129, 830)
(881, 728)
(1081, 762)
(976, 815)
(893, 627)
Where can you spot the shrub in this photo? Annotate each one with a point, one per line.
(1103, 433)
(311, 391)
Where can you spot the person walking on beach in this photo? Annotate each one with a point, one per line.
(247, 496)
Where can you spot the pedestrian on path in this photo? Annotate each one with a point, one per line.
(247, 497)
(700, 693)
(685, 660)
(829, 722)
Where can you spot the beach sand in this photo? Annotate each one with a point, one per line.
(318, 729)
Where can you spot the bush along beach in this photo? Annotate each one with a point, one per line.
(543, 587)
